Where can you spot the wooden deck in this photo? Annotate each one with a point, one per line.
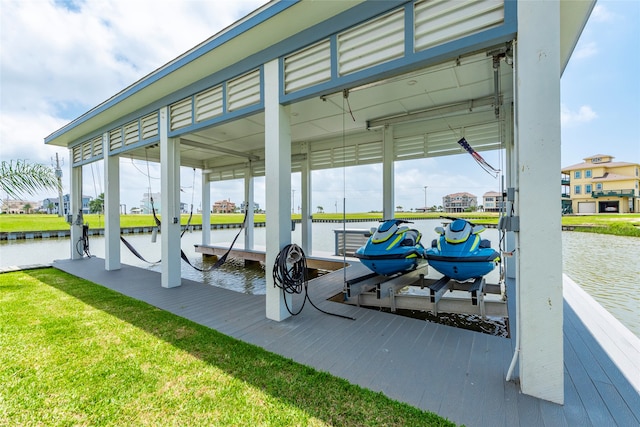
(455, 373)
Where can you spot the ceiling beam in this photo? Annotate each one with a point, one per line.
(434, 113)
(204, 146)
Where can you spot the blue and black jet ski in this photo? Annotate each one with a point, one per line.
(459, 253)
(392, 248)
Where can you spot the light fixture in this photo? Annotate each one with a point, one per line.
(433, 113)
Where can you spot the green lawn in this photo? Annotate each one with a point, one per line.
(75, 353)
(620, 224)
(36, 222)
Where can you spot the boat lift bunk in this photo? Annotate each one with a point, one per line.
(426, 294)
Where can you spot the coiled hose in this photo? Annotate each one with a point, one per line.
(290, 275)
(82, 245)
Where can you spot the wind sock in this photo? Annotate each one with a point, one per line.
(478, 158)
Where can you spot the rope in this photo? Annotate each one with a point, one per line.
(158, 223)
(136, 253)
(290, 275)
(223, 258)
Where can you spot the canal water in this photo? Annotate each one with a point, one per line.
(605, 266)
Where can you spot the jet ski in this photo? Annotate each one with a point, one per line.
(459, 253)
(392, 248)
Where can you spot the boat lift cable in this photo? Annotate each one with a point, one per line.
(290, 275)
(345, 99)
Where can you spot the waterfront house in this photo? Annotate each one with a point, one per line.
(297, 86)
(459, 202)
(492, 201)
(601, 185)
(9, 206)
(150, 202)
(52, 205)
(224, 206)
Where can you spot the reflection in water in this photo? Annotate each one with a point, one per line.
(605, 266)
(251, 281)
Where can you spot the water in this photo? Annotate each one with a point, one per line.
(605, 266)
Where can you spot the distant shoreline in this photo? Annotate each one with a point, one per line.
(14, 227)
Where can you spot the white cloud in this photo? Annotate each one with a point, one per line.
(589, 44)
(21, 133)
(59, 58)
(585, 50)
(602, 13)
(584, 114)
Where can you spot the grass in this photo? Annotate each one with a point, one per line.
(618, 224)
(21, 223)
(75, 353)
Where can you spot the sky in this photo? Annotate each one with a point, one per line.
(60, 58)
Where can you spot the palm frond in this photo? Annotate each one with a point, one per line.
(21, 177)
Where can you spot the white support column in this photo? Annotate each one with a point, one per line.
(539, 278)
(249, 204)
(111, 207)
(388, 197)
(278, 186)
(170, 204)
(306, 223)
(75, 205)
(206, 209)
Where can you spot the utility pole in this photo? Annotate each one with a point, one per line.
(59, 176)
(425, 197)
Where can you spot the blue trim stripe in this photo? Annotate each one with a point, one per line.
(408, 29)
(234, 115)
(139, 144)
(88, 161)
(333, 46)
(224, 98)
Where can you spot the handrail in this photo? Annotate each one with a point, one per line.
(618, 193)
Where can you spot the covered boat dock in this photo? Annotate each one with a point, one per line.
(271, 94)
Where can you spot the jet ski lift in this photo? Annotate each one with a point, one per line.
(415, 291)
